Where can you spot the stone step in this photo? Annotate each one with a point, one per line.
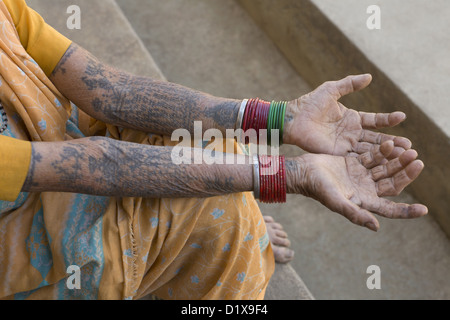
(107, 33)
(214, 46)
(327, 39)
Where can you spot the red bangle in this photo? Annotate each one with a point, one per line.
(272, 179)
(275, 175)
(270, 187)
(283, 180)
(252, 114)
(279, 180)
(255, 116)
(259, 122)
(259, 111)
(267, 192)
(254, 107)
(266, 109)
(266, 116)
(266, 180)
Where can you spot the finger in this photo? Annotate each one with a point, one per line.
(363, 147)
(376, 155)
(393, 210)
(351, 84)
(397, 152)
(394, 166)
(393, 186)
(379, 138)
(403, 143)
(359, 216)
(356, 155)
(381, 120)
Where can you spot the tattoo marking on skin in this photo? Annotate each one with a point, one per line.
(35, 157)
(64, 59)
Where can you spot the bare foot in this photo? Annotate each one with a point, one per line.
(279, 240)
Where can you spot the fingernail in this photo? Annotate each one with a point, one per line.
(371, 226)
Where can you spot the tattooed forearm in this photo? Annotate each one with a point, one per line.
(141, 103)
(106, 167)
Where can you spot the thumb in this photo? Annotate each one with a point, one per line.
(352, 84)
(359, 216)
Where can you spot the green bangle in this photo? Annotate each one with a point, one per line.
(283, 115)
(270, 122)
(277, 121)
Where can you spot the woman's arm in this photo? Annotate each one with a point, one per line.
(106, 167)
(142, 103)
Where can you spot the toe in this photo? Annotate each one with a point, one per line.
(281, 242)
(277, 226)
(283, 254)
(281, 234)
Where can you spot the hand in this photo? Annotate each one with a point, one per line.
(346, 186)
(318, 123)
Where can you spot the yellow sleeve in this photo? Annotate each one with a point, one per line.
(43, 43)
(15, 157)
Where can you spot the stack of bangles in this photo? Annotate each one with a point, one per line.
(269, 178)
(261, 115)
(269, 171)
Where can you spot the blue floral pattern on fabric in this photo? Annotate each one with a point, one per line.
(38, 246)
(217, 213)
(83, 247)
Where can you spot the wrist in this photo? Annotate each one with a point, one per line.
(292, 110)
(296, 172)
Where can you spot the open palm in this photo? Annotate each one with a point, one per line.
(317, 122)
(346, 186)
